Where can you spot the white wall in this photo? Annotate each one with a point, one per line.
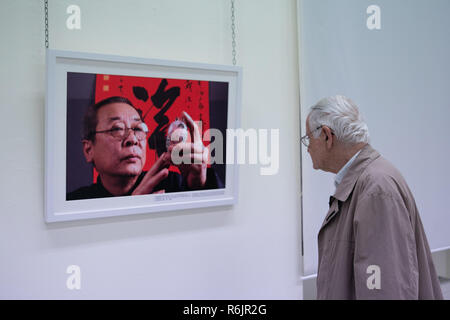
(249, 251)
(340, 55)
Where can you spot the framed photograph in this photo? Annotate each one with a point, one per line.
(131, 135)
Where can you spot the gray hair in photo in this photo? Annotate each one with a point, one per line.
(340, 114)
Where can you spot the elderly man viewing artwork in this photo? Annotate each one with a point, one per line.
(372, 243)
(115, 141)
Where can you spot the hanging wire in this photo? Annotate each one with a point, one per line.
(233, 34)
(46, 23)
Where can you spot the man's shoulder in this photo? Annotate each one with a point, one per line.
(381, 177)
(381, 167)
(86, 192)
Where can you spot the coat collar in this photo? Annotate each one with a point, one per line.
(364, 158)
(345, 188)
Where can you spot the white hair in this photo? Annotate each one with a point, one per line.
(342, 116)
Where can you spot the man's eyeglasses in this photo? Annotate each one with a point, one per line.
(121, 131)
(305, 138)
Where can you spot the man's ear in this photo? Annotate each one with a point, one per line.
(88, 150)
(328, 136)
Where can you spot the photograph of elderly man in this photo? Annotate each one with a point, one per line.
(115, 141)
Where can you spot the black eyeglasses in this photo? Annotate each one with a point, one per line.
(121, 131)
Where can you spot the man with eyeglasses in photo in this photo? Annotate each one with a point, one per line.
(115, 141)
(372, 244)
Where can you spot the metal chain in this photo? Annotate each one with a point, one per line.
(233, 34)
(46, 24)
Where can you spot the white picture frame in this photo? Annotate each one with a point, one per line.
(59, 65)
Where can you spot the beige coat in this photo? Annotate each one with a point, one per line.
(372, 244)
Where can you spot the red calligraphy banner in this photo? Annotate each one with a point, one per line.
(161, 101)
